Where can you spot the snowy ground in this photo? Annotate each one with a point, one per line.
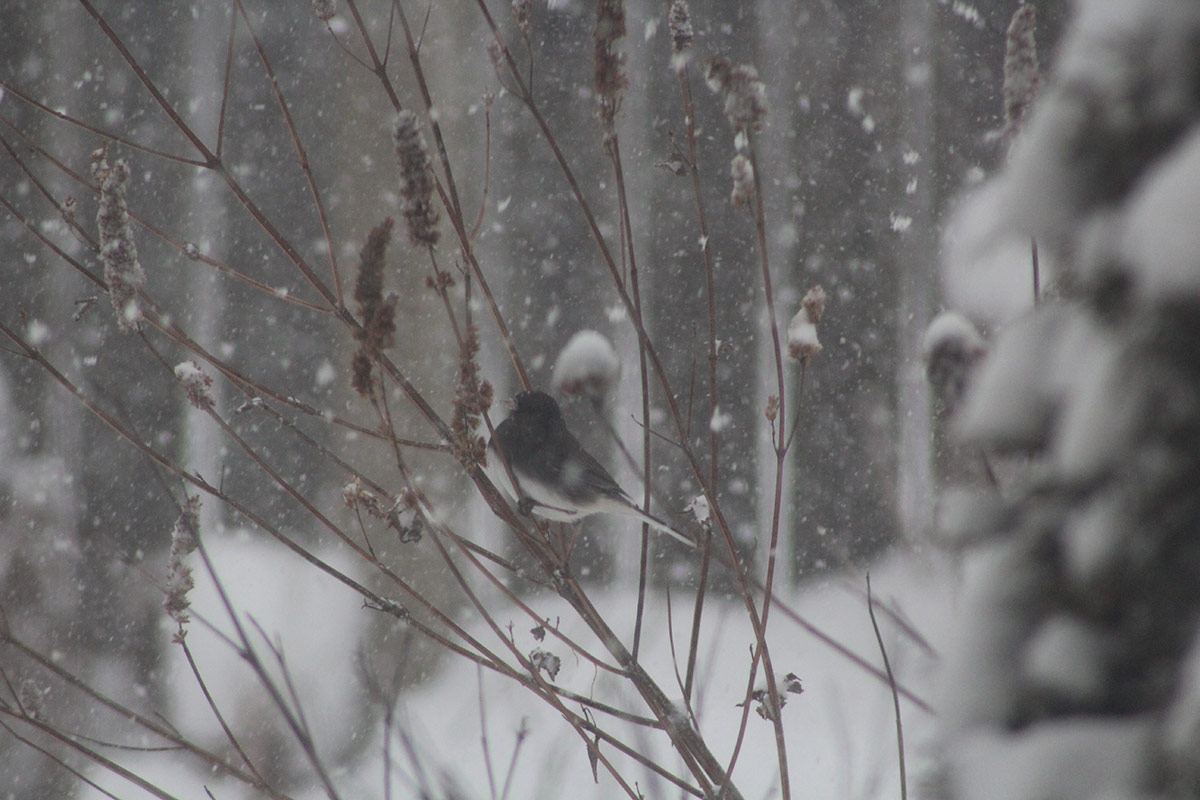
(841, 730)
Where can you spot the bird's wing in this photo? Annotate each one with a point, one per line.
(597, 478)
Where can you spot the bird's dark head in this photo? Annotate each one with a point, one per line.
(536, 405)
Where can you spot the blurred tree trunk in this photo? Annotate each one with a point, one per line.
(203, 214)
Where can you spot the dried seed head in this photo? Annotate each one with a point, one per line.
(744, 92)
(496, 55)
(356, 497)
(185, 538)
(1021, 72)
(772, 409)
(814, 304)
(520, 12)
(118, 252)
(763, 705)
(361, 378)
(610, 78)
(368, 288)
(377, 312)
(197, 385)
(746, 104)
(472, 397)
(743, 180)
(416, 180)
(679, 20)
(324, 9)
(545, 661)
(802, 330)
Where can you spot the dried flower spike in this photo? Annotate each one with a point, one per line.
(122, 271)
(1021, 72)
(416, 180)
(610, 78)
(679, 20)
(185, 538)
(472, 397)
(324, 9)
(520, 12)
(197, 385)
(377, 312)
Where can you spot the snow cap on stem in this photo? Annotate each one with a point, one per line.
(587, 366)
(802, 330)
(950, 348)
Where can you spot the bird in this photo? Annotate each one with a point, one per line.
(558, 479)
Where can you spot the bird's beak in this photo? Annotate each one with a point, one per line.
(511, 404)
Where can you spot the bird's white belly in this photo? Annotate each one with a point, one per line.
(551, 504)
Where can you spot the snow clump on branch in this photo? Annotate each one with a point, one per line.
(587, 366)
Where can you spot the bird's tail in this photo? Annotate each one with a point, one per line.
(654, 522)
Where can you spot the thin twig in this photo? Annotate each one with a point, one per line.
(895, 696)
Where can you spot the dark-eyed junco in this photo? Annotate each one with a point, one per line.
(562, 481)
